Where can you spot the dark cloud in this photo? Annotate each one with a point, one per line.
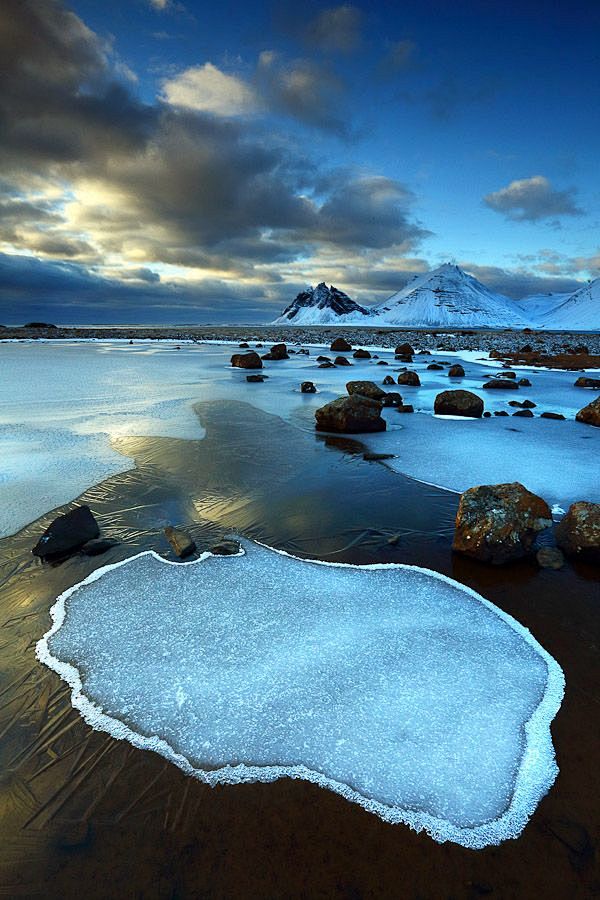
(520, 283)
(337, 29)
(533, 199)
(451, 95)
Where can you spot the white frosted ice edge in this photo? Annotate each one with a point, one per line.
(537, 767)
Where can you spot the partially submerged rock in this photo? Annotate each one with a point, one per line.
(255, 378)
(550, 558)
(456, 371)
(361, 354)
(458, 403)
(182, 543)
(388, 380)
(498, 523)
(435, 367)
(500, 384)
(552, 415)
(584, 382)
(226, 547)
(249, 360)
(340, 345)
(409, 378)
(307, 387)
(590, 414)
(404, 350)
(342, 361)
(355, 414)
(578, 533)
(67, 533)
(366, 389)
(277, 351)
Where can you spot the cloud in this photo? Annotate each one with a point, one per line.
(399, 57)
(207, 89)
(532, 200)
(520, 282)
(337, 29)
(159, 4)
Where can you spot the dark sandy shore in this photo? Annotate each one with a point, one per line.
(84, 815)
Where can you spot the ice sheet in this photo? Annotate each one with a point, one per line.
(394, 686)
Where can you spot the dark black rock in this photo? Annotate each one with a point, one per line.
(67, 533)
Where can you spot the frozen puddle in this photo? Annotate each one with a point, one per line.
(391, 685)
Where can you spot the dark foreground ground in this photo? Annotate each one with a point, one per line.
(83, 815)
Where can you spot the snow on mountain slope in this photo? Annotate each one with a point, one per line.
(447, 296)
(538, 305)
(579, 312)
(323, 306)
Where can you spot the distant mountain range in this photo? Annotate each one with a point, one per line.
(447, 297)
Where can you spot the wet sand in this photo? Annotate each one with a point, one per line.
(81, 813)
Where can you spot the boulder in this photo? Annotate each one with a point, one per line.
(392, 398)
(404, 350)
(501, 384)
(487, 414)
(182, 543)
(277, 351)
(350, 415)
(255, 378)
(366, 389)
(524, 382)
(342, 361)
(340, 345)
(458, 403)
(588, 382)
(409, 378)
(578, 533)
(456, 371)
(435, 366)
(249, 360)
(383, 362)
(552, 415)
(226, 548)
(522, 404)
(326, 365)
(524, 413)
(244, 345)
(307, 387)
(590, 414)
(361, 354)
(323, 359)
(505, 375)
(500, 412)
(498, 523)
(67, 533)
(405, 408)
(388, 380)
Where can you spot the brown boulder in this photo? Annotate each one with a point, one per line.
(277, 351)
(409, 378)
(578, 533)
(588, 382)
(435, 366)
(552, 415)
(590, 414)
(458, 403)
(350, 415)
(340, 345)
(181, 542)
(456, 371)
(342, 361)
(307, 387)
(497, 523)
(501, 384)
(404, 350)
(388, 380)
(366, 389)
(249, 360)
(361, 354)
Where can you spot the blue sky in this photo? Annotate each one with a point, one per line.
(185, 161)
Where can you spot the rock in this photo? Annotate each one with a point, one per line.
(377, 457)
(307, 387)
(456, 371)
(501, 384)
(405, 359)
(388, 380)
(406, 408)
(226, 548)
(383, 362)
(578, 533)
(342, 361)
(67, 533)
(255, 378)
(326, 365)
(505, 375)
(550, 558)
(182, 543)
(524, 382)
(350, 415)
(590, 414)
(98, 546)
(435, 366)
(458, 403)
(323, 359)
(522, 404)
(249, 360)
(588, 382)
(424, 352)
(392, 398)
(552, 415)
(487, 414)
(361, 354)
(277, 351)
(404, 350)
(366, 389)
(340, 345)
(524, 413)
(500, 412)
(498, 523)
(243, 345)
(409, 378)
(526, 348)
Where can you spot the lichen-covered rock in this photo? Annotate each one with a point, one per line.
(578, 533)
(458, 403)
(249, 360)
(182, 543)
(340, 345)
(366, 389)
(497, 523)
(409, 378)
(590, 414)
(350, 415)
(456, 371)
(67, 533)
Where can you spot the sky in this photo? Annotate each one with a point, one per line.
(195, 162)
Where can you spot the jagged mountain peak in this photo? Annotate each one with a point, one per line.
(322, 305)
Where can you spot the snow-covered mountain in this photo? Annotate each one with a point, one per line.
(536, 306)
(447, 296)
(578, 312)
(323, 306)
